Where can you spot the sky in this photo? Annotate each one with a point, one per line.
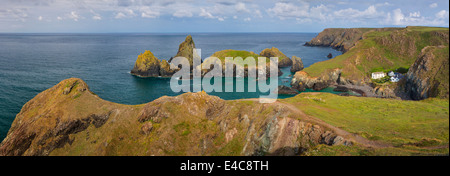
(181, 16)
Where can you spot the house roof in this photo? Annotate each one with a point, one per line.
(378, 73)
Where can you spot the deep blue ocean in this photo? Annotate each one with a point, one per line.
(32, 63)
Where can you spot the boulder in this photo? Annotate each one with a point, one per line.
(330, 56)
(340, 89)
(285, 90)
(297, 64)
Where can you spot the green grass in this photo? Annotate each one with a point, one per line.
(378, 51)
(237, 53)
(392, 121)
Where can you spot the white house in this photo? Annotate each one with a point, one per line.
(395, 79)
(378, 75)
(391, 74)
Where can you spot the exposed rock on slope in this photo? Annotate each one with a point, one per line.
(283, 60)
(429, 75)
(68, 119)
(378, 49)
(285, 90)
(340, 39)
(297, 64)
(302, 81)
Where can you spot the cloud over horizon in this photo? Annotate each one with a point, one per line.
(215, 15)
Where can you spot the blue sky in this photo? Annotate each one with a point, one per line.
(95, 16)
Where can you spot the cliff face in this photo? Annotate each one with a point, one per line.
(429, 75)
(383, 49)
(297, 64)
(302, 81)
(339, 39)
(68, 119)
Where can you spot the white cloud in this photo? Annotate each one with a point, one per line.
(240, 7)
(182, 13)
(288, 10)
(433, 5)
(209, 15)
(120, 15)
(95, 16)
(442, 14)
(415, 18)
(74, 16)
(350, 13)
(125, 13)
(247, 19)
(147, 12)
(40, 18)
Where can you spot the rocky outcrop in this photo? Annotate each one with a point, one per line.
(297, 64)
(429, 75)
(285, 90)
(186, 49)
(77, 122)
(147, 65)
(337, 38)
(283, 60)
(165, 70)
(302, 81)
(330, 56)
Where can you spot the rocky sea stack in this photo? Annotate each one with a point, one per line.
(297, 64)
(147, 65)
(186, 49)
(283, 60)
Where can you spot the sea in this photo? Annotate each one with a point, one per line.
(32, 63)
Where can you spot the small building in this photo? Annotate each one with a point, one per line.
(391, 74)
(378, 75)
(395, 79)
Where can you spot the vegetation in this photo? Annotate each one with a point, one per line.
(395, 122)
(237, 53)
(382, 49)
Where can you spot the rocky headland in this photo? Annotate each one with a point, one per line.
(366, 50)
(69, 119)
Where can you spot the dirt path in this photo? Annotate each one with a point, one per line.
(345, 134)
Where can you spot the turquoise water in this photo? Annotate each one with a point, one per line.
(32, 63)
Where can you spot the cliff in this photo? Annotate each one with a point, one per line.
(429, 75)
(383, 49)
(337, 38)
(297, 64)
(68, 119)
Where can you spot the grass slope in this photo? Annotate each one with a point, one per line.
(387, 49)
(409, 126)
